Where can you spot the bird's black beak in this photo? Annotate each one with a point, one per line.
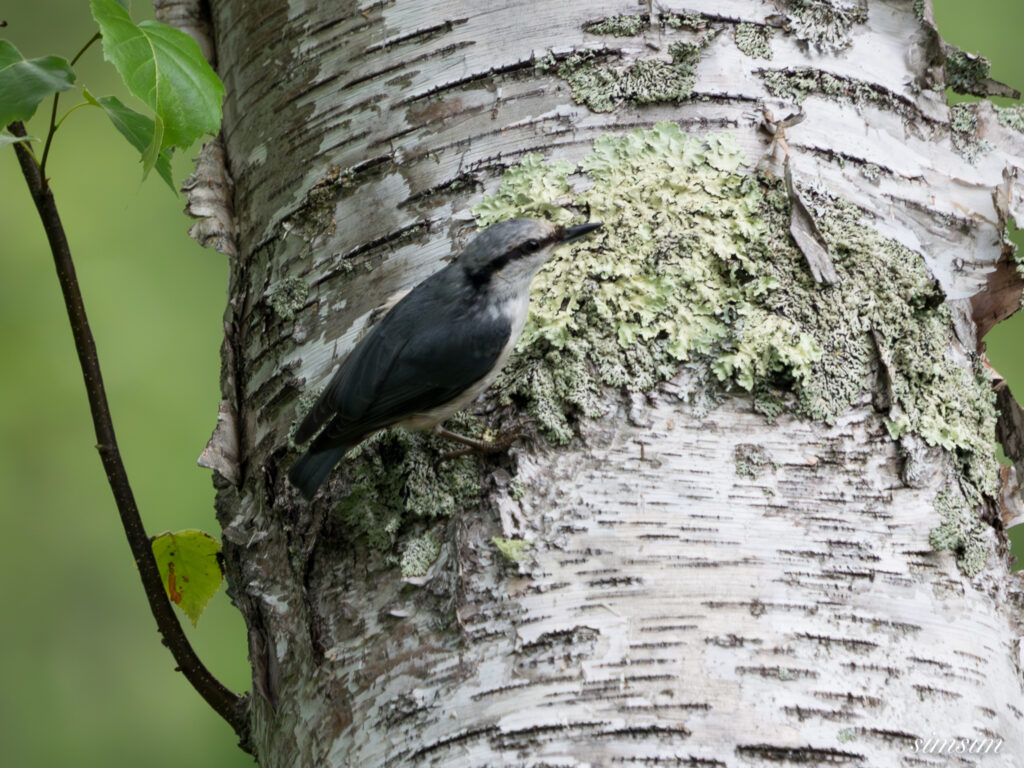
(574, 233)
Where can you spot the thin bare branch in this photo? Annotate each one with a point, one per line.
(232, 707)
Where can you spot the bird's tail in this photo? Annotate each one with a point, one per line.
(309, 472)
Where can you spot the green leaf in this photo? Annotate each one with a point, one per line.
(9, 138)
(26, 82)
(188, 568)
(164, 67)
(135, 127)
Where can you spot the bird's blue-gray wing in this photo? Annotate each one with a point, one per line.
(350, 391)
(439, 364)
(419, 357)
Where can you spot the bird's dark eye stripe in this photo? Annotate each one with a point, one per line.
(481, 277)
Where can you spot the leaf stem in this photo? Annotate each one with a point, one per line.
(54, 125)
(49, 138)
(230, 706)
(65, 116)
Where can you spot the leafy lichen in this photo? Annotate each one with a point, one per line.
(754, 40)
(302, 406)
(793, 84)
(420, 553)
(398, 477)
(797, 83)
(870, 171)
(629, 307)
(288, 297)
(963, 130)
(965, 72)
(751, 460)
(961, 532)
(1011, 117)
(592, 82)
(884, 296)
(691, 20)
(695, 267)
(619, 26)
(825, 25)
(534, 189)
(601, 84)
(651, 81)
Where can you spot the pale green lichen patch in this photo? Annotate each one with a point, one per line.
(619, 26)
(598, 81)
(288, 297)
(751, 460)
(398, 477)
(870, 171)
(966, 73)
(692, 21)
(798, 83)
(686, 55)
(1011, 117)
(652, 81)
(884, 296)
(695, 267)
(534, 189)
(671, 278)
(603, 87)
(963, 130)
(419, 554)
(825, 25)
(511, 549)
(302, 406)
(794, 84)
(754, 40)
(593, 82)
(961, 532)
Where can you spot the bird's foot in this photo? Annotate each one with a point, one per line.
(473, 445)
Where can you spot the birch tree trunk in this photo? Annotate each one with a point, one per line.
(753, 517)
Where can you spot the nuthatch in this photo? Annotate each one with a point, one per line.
(436, 350)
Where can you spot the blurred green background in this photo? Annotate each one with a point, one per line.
(86, 681)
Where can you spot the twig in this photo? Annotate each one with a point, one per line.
(230, 706)
(54, 125)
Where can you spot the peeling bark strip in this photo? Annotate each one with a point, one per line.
(697, 575)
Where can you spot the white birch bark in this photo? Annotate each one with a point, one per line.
(704, 587)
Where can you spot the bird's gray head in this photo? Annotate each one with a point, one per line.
(512, 251)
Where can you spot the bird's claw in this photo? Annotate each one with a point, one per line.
(500, 444)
